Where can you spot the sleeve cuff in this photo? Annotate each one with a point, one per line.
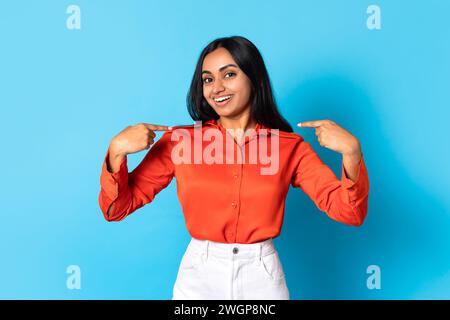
(346, 181)
(110, 181)
(359, 188)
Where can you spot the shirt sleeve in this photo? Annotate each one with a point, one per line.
(342, 200)
(122, 193)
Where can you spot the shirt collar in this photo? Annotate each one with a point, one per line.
(253, 134)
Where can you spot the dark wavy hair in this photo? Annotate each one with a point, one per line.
(263, 107)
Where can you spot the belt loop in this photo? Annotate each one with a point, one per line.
(207, 249)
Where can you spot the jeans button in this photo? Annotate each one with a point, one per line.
(235, 250)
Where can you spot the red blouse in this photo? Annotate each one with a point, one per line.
(234, 202)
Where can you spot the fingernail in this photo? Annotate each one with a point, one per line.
(170, 128)
(299, 124)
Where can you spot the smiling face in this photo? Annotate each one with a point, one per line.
(223, 79)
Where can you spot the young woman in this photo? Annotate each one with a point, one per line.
(233, 209)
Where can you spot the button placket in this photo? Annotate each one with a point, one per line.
(236, 183)
(237, 179)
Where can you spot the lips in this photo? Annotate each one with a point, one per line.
(223, 102)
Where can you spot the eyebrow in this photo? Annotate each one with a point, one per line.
(221, 68)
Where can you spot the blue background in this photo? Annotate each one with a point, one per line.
(65, 93)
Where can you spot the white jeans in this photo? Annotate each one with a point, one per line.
(214, 270)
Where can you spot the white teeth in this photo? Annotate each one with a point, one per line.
(222, 98)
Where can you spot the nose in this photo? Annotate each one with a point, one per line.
(218, 87)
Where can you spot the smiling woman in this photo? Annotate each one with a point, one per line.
(231, 84)
(233, 209)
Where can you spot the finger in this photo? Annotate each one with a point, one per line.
(149, 143)
(157, 127)
(318, 131)
(311, 124)
(151, 134)
(320, 142)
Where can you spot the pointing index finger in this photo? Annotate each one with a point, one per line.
(157, 127)
(311, 124)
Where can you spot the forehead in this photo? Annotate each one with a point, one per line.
(216, 59)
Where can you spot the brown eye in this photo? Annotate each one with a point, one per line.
(230, 73)
(205, 80)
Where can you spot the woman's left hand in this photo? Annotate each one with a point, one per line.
(334, 137)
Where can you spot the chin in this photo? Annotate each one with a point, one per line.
(225, 113)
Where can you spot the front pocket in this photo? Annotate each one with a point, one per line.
(271, 267)
(191, 260)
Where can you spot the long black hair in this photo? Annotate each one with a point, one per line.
(263, 107)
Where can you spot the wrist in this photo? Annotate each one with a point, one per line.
(114, 151)
(354, 151)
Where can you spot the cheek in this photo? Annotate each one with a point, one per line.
(248, 93)
(206, 92)
(244, 90)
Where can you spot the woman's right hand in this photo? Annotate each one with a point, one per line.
(132, 139)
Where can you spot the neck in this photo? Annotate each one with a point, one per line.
(244, 122)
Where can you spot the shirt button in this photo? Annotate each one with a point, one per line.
(235, 250)
(235, 175)
(233, 205)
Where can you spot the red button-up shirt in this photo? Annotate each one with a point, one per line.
(234, 202)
